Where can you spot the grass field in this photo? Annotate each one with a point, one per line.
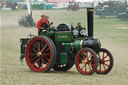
(113, 34)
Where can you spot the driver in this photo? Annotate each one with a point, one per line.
(47, 21)
(79, 28)
(42, 24)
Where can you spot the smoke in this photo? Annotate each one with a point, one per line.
(28, 6)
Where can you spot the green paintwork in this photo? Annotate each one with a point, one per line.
(63, 58)
(75, 45)
(63, 36)
(48, 34)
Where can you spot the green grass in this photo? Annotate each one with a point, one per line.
(105, 30)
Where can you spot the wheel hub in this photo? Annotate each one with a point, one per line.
(39, 54)
(102, 61)
(85, 61)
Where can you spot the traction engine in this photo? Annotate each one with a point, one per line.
(61, 48)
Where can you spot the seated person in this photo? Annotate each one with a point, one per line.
(80, 29)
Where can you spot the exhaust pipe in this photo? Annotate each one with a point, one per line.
(90, 21)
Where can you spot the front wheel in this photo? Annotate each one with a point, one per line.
(105, 62)
(86, 61)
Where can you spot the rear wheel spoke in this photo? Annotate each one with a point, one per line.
(34, 58)
(36, 61)
(47, 59)
(45, 54)
(32, 54)
(38, 46)
(34, 49)
(44, 48)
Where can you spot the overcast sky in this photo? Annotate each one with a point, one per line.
(93, 0)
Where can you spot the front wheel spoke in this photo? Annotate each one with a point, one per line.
(90, 56)
(89, 66)
(82, 63)
(104, 67)
(91, 60)
(100, 67)
(106, 60)
(105, 56)
(92, 65)
(106, 64)
(83, 66)
(83, 56)
(99, 56)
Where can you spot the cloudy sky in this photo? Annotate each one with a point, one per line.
(93, 0)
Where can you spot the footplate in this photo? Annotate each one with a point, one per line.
(24, 42)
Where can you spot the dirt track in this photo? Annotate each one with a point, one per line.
(13, 73)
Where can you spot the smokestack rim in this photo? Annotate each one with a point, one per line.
(90, 9)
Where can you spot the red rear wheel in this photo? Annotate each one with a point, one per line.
(105, 62)
(86, 61)
(40, 54)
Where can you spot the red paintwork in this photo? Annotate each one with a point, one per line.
(31, 54)
(104, 63)
(88, 65)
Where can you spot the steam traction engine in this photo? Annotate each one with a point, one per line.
(60, 49)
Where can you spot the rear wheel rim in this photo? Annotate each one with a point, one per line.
(86, 62)
(105, 62)
(38, 54)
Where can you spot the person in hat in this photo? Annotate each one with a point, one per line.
(79, 28)
(43, 23)
(47, 21)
